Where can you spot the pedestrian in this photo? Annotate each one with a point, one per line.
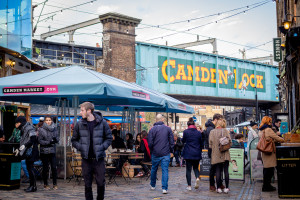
(269, 160)
(210, 125)
(238, 141)
(117, 142)
(252, 134)
(129, 141)
(220, 160)
(232, 133)
(40, 124)
(92, 136)
(15, 136)
(177, 149)
(144, 148)
(28, 149)
(276, 125)
(192, 152)
(161, 144)
(48, 137)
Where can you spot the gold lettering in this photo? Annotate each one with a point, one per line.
(251, 82)
(223, 76)
(259, 79)
(190, 72)
(181, 72)
(205, 70)
(163, 69)
(234, 71)
(243, 78)
(197, 69)
(213, 74)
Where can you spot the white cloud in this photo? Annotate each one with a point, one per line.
(107, 8)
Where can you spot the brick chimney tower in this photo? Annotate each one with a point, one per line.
(118, 46)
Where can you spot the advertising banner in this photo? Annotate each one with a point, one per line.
(204, 164)
(236, 166)
(256, 165)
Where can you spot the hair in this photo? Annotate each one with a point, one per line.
(87, 106)
(217, 116)
(221, 123)
(191, 121)
(48, 116)
(129, 135)
(265, 120)
(144, 134)
(277, 120)
(233, 160)
(136, 140)
(238, 136)
(115, 132)
(159, 117)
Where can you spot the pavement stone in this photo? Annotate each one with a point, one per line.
(139, 189)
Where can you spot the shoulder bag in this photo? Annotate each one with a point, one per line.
(224, 143)
(264, 145)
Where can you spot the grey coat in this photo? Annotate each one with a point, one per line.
(29, 139)
(46, 135)
(102, 137)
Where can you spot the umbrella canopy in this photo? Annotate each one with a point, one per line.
(47, 86)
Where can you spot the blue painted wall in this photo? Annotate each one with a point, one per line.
(152, 63)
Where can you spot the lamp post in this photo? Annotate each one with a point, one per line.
(256, 104)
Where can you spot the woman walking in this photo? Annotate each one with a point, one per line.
(218, 158)
(47, 138)
(192, 152)
(269, 160)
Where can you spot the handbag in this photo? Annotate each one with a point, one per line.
(224, 144)
(264, 145)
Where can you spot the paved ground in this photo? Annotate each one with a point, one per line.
(139, 189)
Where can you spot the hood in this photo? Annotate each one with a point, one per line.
(209, 123)
(47, 127)
(158, 123)
(97, 115)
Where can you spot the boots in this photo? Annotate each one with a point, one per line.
(30, 189)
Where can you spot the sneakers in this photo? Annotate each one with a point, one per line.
(46, 187)
(165, 191)
(55, 187)
(189, 188)
(152, 188)
(212, 188)
(140, 174)
(219, 190)
(197, 183)
(226, 190)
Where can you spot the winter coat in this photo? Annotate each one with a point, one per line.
(192, 139)
(179, 145)
(269, 160)
(29, 139)
(102, 137)
(160, 140)
(129, 143)
(46, 135)
(142, 149)
(15, 136)
(209, 127)
(118, 143)
(214, 140)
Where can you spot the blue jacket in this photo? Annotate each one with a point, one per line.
(160, 140)
(193, 144)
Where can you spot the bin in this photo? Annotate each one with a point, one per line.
(288, 167)
(10, 167)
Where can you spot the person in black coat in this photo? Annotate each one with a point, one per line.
(177, 149)
(28, 148)
(92, 136)
(117, 142)
(129, 141)
(192, 152)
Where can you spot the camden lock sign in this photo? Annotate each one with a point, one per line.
(182, 72)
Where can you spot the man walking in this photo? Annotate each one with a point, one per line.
(92, 136)
(161, 144)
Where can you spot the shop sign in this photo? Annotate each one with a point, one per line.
(140, 95)
(236, 166)
(182, 72)
(31, 90)
(277, 49)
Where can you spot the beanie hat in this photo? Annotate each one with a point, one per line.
(41, 119)
(252, 123)
(22, 120)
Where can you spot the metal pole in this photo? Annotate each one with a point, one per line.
(256, 104)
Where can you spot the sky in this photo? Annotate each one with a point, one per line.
(251, 28)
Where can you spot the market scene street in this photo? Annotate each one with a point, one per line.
(149, 99)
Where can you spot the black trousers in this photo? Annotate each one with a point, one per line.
(189, 165)
(268, 174)
(220, 168)
(46, 159)
(29, 165)
(92, 167)
(212, 173)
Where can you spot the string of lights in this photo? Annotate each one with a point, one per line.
(197, 18)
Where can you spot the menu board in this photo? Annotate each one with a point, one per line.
(204, 164)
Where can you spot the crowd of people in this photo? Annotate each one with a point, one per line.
(93, 138)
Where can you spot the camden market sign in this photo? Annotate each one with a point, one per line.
(182, 72)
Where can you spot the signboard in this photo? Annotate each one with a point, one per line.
(277, 49)
(15, 173)
(256, 165)
(236, 166)
(31, 89)
(204, 164)
(183, 72)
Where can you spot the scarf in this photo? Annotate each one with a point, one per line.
(147, 147)
(192, 126)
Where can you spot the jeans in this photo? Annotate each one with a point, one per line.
(92, 167)
(24, 167)
(176, 155)
(220, 168)
(46, 158)
(189, 165)
(268, 174)
(164, 160)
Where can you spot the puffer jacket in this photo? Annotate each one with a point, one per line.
(102, 137)
(29, 139)
(46, 135)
